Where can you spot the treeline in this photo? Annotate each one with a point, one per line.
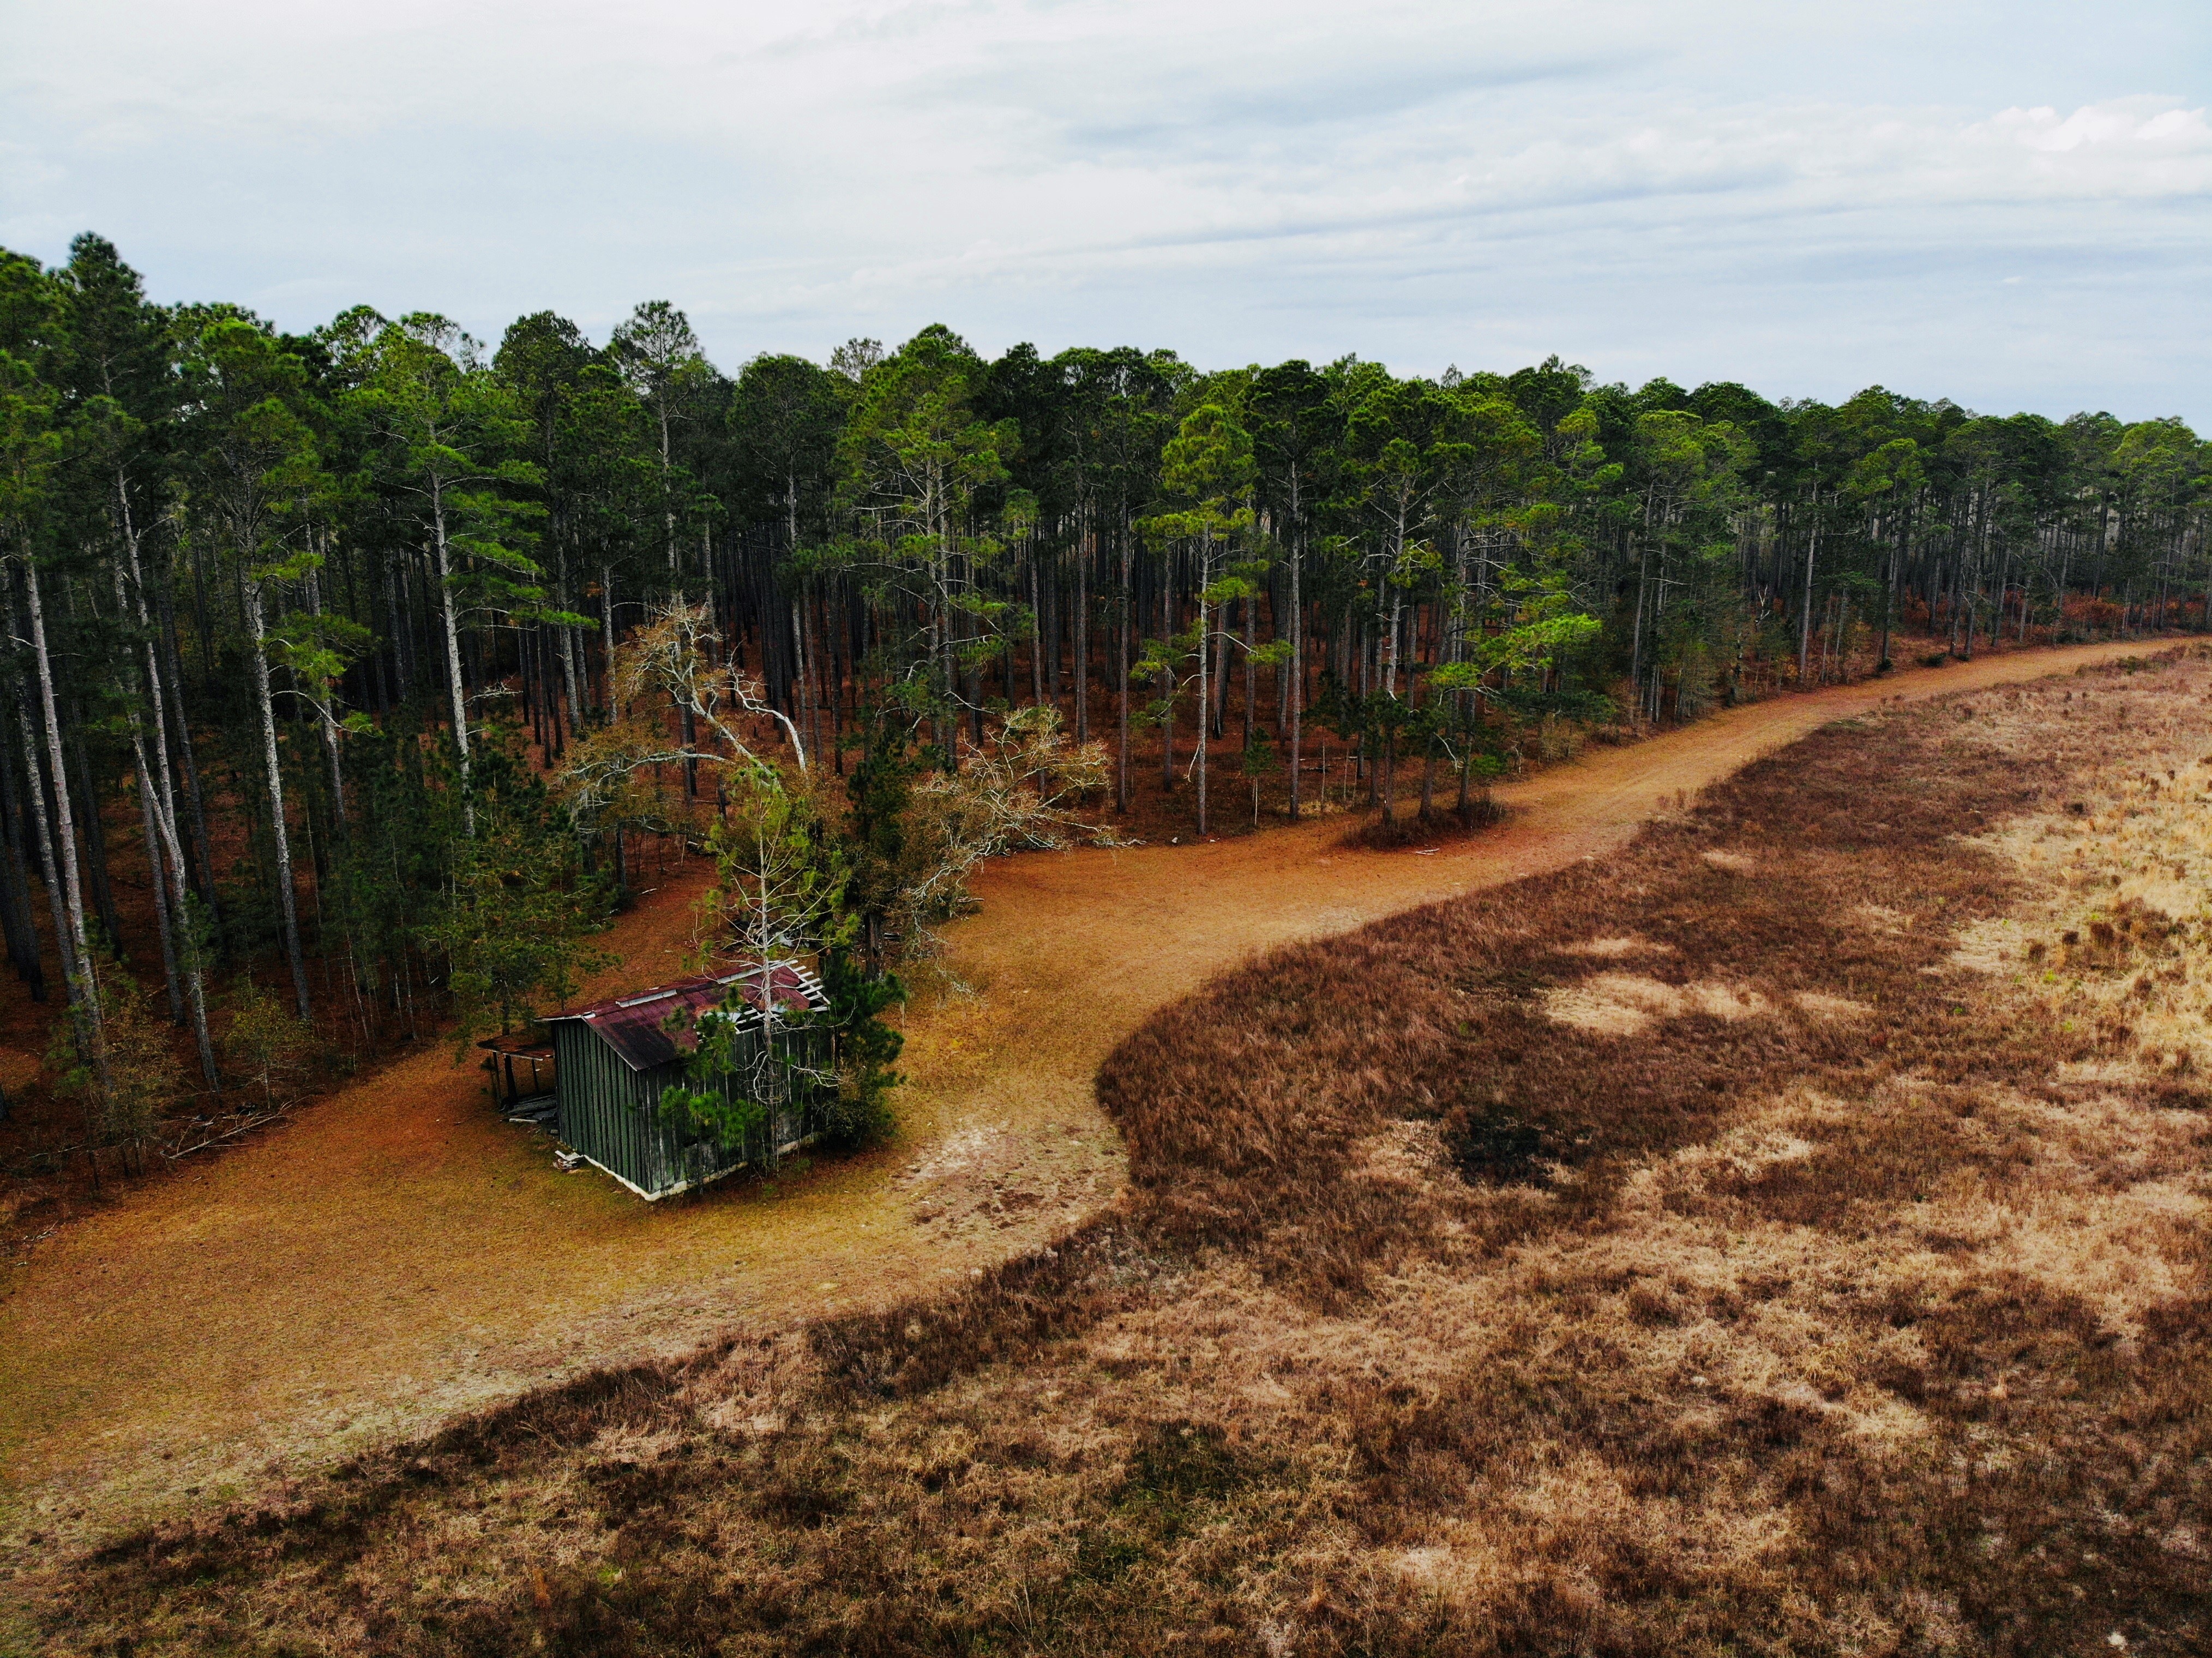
(303, 627)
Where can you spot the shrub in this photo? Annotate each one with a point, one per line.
(128, 1076)
(268, 1046)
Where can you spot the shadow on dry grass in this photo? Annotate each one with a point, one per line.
(1690, 1254)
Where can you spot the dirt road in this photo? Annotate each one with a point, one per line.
(398, 1254)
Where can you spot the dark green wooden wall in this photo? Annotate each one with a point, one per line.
(611, 1114)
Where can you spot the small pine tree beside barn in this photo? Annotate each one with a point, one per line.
(614, 1060)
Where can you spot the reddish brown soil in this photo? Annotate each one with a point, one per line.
(397, 1253)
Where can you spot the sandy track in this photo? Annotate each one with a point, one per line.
(397, 1254)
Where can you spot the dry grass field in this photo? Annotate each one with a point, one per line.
(1785, 1236)
(395, 1255)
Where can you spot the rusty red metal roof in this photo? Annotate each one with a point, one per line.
(633, 1025)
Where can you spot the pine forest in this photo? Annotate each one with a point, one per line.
(352, 679)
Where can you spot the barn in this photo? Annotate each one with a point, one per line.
(612, 1060)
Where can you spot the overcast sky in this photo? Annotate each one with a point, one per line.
(2009, 205)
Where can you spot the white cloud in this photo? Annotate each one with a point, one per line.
(1808, 199)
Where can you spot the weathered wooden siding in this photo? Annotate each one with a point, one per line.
(611, 1114)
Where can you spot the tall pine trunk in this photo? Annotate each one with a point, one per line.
(1805, 618)
(1121, 675)
(457, 690)
(288, 901)
(16, 879)
(1205, 705)
(174, 711)
(1298, 620)
(1086, 545)
(76, 959)
(64, 947)
(331, 742)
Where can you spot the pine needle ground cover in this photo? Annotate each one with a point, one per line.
(1787, 1236)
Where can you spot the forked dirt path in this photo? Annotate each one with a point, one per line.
(398, 1254)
